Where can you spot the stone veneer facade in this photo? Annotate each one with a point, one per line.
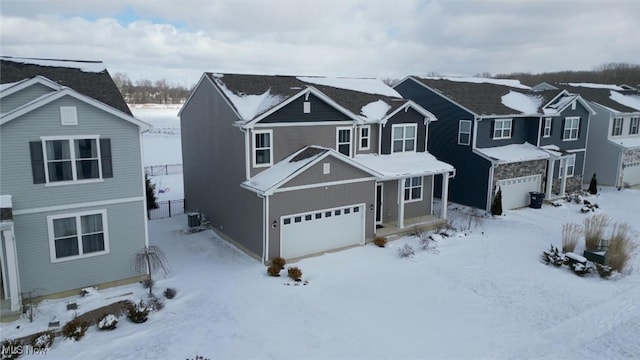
(574, 184)
(520, 169)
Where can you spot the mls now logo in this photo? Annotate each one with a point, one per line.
(11, 351)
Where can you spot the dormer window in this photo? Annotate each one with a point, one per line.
(403, 137)
(502, 129)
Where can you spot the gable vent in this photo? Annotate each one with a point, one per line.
(68, 115)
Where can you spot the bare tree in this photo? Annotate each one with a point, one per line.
(151, 259)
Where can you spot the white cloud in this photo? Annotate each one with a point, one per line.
(180, 40)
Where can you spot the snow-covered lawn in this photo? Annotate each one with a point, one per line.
(161, 144)
(481, 295)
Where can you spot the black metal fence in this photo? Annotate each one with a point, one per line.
(167, 209)
(170, 169)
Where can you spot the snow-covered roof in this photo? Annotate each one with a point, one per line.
(477, 80)
(399, 165)
(514, 153)
(374, 111)
(630, 142)
(84, 65)
(553, 150)
(626, 100)
(370, 86)
(524, 103)
(559, 104)
(598, 86)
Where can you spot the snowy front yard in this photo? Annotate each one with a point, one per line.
(483, 295)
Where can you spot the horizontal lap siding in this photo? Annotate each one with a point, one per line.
(338, 171)
(17, 179)
(23, 96)
(37, 272)
(521, 128)
(404, 117)
(422, 207)
(299, 201)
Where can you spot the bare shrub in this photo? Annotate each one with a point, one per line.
(43, 340)
(594, 227)
(380, 241)
(30, 302)
(570, 237)
(294, 273)
(605, 271)
(149, 260)
(138, 312)
(274, 270)
(278, 261)
(170, 293)
(620, 247)
(107, 322)
(406, 251)
(75, 328)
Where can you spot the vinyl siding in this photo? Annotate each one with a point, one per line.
(126, 224)
(17, 179)
(602, 158)
(520, 128)
(557, 129)
(404, 117)
(293, 112)
(293, 202)
(339, 171)
(23, 96)
(411, 209)
(213, 157)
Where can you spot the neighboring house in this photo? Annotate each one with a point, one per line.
(499, 134)
(614, 137)
(72, 183)
(293, 166)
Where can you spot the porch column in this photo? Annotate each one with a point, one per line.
(549, 184)
(12, 268)
(400, 203)
(445, 195)
(563, 177)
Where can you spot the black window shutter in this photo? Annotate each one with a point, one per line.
(37, 162)
(493, 128)
(105, 158)
(513, 126)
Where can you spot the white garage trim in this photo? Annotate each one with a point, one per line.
(515, 191)
(322, 230)
(631, 173)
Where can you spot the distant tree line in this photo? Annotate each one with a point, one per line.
(150, 92)
(610, 73)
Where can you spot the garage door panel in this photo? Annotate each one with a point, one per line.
(631, 174)
(515, 191)
(322, 230)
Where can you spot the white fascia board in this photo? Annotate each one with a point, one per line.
(44, 100)
(428, 116)
(23, 84)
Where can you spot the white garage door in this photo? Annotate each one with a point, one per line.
(631, 174)
(321, 230)
(515, 192)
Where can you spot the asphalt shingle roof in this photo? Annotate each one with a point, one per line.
(601, 96)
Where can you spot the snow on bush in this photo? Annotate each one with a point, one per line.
(75, 328)
(406, 251)
(108, 322)
(43, 340)
(138, 312)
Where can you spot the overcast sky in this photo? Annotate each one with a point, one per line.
(180, 39)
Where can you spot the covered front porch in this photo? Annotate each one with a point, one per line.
(427, 222)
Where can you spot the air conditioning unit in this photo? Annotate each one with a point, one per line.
(194, 219)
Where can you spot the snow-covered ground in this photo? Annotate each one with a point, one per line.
(161, 144)
(481, 294)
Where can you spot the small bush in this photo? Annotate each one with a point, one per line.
(148, 283)
(75, 328)
(620, 247)
(294, 273)
(570, 236)
(138, 312)
(170, 293)
(496, 206)
(107, 322)
(594, 227)
(155, 304)
(279, 262)
(553, 256)
(593, 185)
(43, 340)
(274, 270)
(605, 271)
(11, 349)
(406, 251)
(380, 241)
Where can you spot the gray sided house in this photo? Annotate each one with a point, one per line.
(294, 166)
(500, 134)
(613, 153)
(72, 185)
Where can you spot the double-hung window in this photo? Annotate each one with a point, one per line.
(502, 129)
(365, 137)
(263, 147)
(73, 236)
(403, 137)
(571, 128)
(546, 132)
(633, 126)
(343, 140)
(617, 126)
(464, 132)
(74, 159)
(570, 163)
(413, 189)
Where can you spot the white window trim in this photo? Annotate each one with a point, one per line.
(461, 133)
(368, 137)
(637, 121)
(546, 132)
(410, 187)
(105, 231)
(564, 130)
(502, 128)
(72, 151)
(255, 148)
(404, 138)
(618, 128)
(338, 143)
(563, 162)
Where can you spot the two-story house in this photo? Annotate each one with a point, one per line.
(614, 133)
(71, 181)
(293, 166)
(499, 134)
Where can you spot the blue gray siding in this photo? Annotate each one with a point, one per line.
(213, 157)
(522, 130)
(557, 129)
(404, 117)
(293, 112)
(23, 96)
(470, 185)
(603, 158)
